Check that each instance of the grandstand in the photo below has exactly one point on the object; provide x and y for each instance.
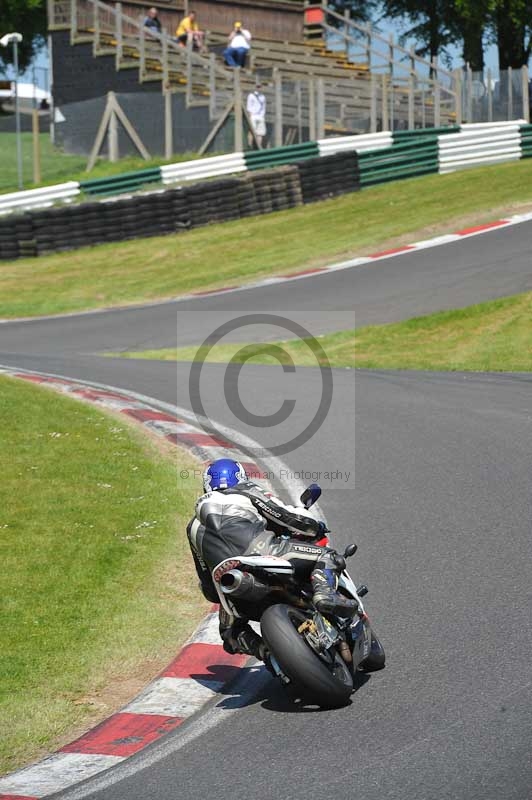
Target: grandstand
(329, 75)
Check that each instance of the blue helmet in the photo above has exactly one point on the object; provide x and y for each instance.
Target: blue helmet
(222, 474)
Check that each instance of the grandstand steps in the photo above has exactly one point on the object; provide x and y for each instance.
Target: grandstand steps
(347, 86)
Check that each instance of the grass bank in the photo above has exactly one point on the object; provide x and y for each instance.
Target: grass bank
(489, 337)
(97, 586)
(355, 224)
(58, 167)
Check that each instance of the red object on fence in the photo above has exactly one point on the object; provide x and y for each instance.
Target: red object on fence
(313, 16)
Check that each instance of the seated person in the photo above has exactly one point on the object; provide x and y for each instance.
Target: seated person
(152, 21)
(188, 30)
(239, 44)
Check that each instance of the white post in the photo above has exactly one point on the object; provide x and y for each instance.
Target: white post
(458, 95)
(168, 127)
(73, 21)
(212, 86)
(278, 101)
(320, 108)
(119, 35)
(311, 111)
(347, 23)
(411, 89)
(437, 92)
(373, 104)
(385, 117)
(189, 95)
(490, 97)
(113, 138)
(17, 115)
(299, 120)
(96, 29)
(142, 48)
(510, 94)
(526, 97)
(469, 94)
(239, 139)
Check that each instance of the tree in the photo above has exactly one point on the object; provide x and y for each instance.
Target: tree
(470, 23)
(431, 23)
(27, 17)
(512, 24)
(359, 11)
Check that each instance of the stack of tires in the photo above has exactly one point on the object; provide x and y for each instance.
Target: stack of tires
(9, 247)
(276, 189)
(213, 201)
(66, 228)
(330, 176)
(169, 211)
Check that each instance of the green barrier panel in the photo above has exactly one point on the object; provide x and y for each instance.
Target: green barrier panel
(400, 135)
(398, 150)
(395, 175)
(277, 156)
(395, 166)
(428, 156)
(399, 160)
(115, 183)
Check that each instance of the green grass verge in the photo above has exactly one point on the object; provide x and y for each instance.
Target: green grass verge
(488, 337)
(97, 586)
(243, 251)
(58, 167)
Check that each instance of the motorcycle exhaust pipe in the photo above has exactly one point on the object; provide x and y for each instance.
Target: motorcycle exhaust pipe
(241, 584)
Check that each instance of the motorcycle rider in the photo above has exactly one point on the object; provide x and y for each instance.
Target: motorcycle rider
(236, 517)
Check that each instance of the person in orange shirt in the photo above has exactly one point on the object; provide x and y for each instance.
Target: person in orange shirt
(188, 29)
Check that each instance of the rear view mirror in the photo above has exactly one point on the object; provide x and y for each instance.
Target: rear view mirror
(350, 550)
(311, 494)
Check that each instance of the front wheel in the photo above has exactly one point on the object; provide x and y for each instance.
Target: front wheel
(329, 685)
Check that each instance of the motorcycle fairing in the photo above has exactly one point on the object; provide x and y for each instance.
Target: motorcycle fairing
(346, 583)
(361, 636)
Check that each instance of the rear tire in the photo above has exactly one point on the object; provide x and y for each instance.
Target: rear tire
(327, 687)
(377, 657)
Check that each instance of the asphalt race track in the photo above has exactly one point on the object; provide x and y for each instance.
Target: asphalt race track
(441, 508)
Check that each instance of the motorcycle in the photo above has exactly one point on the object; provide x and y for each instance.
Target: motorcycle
(318, 655)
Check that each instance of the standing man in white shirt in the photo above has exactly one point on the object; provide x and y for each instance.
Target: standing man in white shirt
(256, 108)
(239, 44)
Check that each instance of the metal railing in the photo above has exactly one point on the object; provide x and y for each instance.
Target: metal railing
(431, 92)
(490, 98)
(159, 56)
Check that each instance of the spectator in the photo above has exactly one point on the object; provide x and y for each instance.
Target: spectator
(188, 30)
(256, 108)
(152, 21)
(239, 44)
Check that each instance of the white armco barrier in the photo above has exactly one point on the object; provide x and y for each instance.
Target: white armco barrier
(38, 198)
(479, 145)
(204, 168)
(479, 126)
(361, 143)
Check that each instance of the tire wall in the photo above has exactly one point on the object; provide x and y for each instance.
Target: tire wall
(52, 230)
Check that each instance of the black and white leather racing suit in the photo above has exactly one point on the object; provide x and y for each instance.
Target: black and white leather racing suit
(247, 520)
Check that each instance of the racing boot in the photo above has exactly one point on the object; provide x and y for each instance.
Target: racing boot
(239, 637)
(324, 581)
